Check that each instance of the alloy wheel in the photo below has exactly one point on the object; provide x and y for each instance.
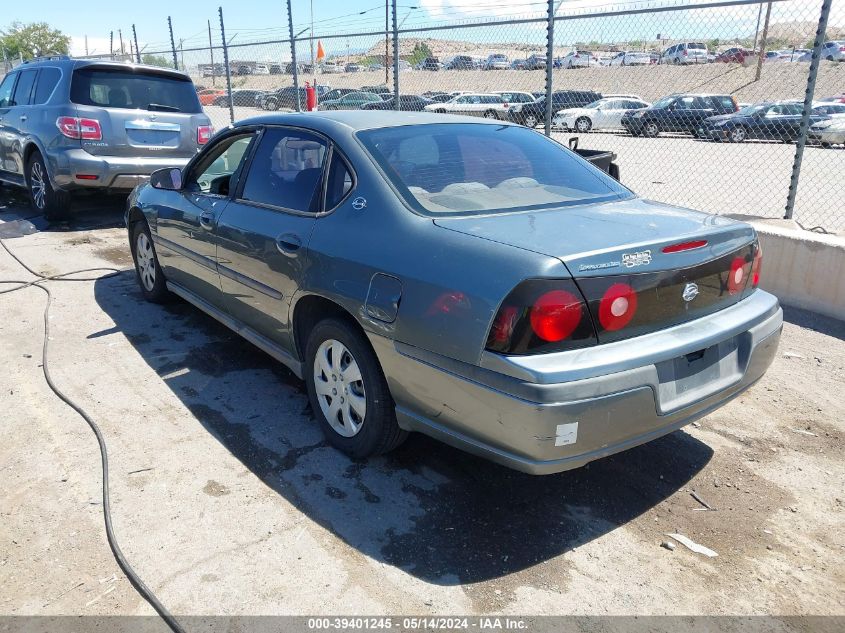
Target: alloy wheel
(340, 388)
(145, 261)
(738, 135)
(38, 185)
(583, 125)
(530, 120)
(651, 129)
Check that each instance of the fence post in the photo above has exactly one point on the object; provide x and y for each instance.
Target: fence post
(111, 45)
(808, 104)
(293, 59)
(396, 105)
(550, 61)
(137, 50)
(763, 42)
(172, 43)
(226, 65)
(211, 52)
(386, 38)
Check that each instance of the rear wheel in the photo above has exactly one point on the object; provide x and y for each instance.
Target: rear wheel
(491, 114)
(530, 120)
(651, 129)
(53, 203)
(583, 124)
(348, 392)
(827, 145)
(737, 135)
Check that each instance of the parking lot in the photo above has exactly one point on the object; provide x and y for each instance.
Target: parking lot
(227, 500)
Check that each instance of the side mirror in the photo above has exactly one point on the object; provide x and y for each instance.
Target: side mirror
(168, 178)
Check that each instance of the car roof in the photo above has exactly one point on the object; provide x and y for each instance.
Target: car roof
(355, 120)
(64, 60)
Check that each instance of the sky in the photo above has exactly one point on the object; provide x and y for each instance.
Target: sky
(251, 20)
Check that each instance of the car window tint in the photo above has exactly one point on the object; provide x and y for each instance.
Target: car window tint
(6, 90)
(48, 79)
(339, 181)
(285, 170)
(485, 168)
(213, 175)
(133, 89)
(24, 88)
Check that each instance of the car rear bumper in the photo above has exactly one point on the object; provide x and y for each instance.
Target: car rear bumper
(112, 173)
(548, 414)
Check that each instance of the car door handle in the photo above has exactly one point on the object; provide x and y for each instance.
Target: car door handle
(288, 243)
(23, 117)
(207, 220)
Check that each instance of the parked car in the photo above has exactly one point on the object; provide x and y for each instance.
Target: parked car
(630, 58)
(287, 97)
(686, 53)
(351, 101)
(335, 93)
(828, 132)
(834, 51)
(734, 55)
(497, 61)
(778, 121)
(215, 70)
(578, 59)
(677, 113)
(208, 95)
(608, 321)
(261, 69)
(441, 98)
(383, 91)
(530, 114)
(69, 125)
(519, 64)
(352, 68)
(826, 108)
(490, 106)
(535, 62)
(604, 114)
(330, 68)
(240, 97)
(430, 63)
(276, 69)
(516, 97)
(834, 99)
(459, 62)
(407, 103)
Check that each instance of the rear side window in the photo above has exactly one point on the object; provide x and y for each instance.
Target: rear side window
(286, 170)
(726, 103)
(339, 181)
(6, 90)
(23, 90)
(133, 90)
(467, 169)
(48, 79)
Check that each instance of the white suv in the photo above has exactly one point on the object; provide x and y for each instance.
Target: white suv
(686, 53)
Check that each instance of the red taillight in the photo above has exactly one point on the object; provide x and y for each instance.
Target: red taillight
(684, 246)
(555, 315)
(77, 128)
(617, 307)
(204, 133)
(685, 53)
(737, 275)
(756, 266)
(503, 325)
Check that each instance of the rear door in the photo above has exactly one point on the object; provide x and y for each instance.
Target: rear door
(264, 232)
(186, 226)
(141, 112)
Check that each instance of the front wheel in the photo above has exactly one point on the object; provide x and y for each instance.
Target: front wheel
(348, 392)
(737, 135)
(147, 270)
(491, 114)
(53, 203)
(530, 120)
(583, 125)
(651, 130)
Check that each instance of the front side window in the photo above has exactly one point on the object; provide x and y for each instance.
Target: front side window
(286, 170)
(214, 174)
(6, 90)
(467, 169)
(23, 90)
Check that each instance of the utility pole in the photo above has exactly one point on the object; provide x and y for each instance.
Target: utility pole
(396, 100)
(313, 59)
(111, 44)
(550, 41)
(293, 58)
(763, 42)
(211, 50)
(182, 52)
(122, 50)
(757, 28)
(225, 63)
(86, 46)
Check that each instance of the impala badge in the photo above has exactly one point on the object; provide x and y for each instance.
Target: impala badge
(690, 292)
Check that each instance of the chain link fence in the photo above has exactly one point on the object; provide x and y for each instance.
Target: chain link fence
(729, 106)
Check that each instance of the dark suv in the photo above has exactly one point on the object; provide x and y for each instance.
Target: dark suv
(286, 98)
(69, 125)
(530, 114)
(677, 113)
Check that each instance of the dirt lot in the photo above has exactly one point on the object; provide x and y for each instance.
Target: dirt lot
(227, 500)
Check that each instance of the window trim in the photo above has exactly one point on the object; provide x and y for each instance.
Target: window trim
(325, 185)
(189, 168)
(56, 87)
(248, 166)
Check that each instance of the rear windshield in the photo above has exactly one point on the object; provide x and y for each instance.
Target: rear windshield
(133, 90)
(468, 169)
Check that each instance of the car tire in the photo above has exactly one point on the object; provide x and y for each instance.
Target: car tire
(53, 203)
(583, 125)
(569, 65)
(651, 130)
(738, 135)
(440, 111)
(147, 269)
(676, 61)
(272, 104)
(829, 58)
(491, 114)
(361, 431)
(826, 145)
(530, 120)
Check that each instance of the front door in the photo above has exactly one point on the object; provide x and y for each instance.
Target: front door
(186, 225)
(17, 121)
(7, 87)
(264, 232)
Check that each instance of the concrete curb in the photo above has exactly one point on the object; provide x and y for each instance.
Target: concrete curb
(803, 269)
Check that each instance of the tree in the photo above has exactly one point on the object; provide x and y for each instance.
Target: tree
(157, 60)
(33, 40)
(421, 51)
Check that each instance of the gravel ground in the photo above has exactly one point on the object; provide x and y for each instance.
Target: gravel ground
(227, 500)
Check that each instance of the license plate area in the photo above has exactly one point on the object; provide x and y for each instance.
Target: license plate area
(697, 375)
